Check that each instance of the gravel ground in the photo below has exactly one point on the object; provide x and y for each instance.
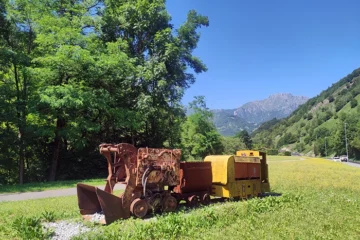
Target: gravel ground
(65, 230)
(98, 217)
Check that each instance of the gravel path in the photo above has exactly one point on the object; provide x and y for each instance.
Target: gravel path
(46, 194)
(64, 230)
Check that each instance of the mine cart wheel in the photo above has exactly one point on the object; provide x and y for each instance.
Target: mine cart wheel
(139, 208)
(205, 199)
(192, 201)
(169, 204)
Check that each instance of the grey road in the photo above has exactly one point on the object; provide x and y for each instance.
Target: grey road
(352, 164)
(46, 194)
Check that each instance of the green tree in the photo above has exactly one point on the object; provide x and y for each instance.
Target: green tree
(309, 116)
(339, 104)
(231, 145)
(162, 56)
(16, 51)
(245, 138)
(199, 136)
(353, 103)
(74, 74)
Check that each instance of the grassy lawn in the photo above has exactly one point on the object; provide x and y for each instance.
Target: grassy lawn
(320, 200)
(34, 187)
(46, 209)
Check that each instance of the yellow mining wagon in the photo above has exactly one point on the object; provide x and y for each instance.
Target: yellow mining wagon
(243, 176)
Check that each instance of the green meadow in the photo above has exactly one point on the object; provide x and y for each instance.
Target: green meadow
(319, 200)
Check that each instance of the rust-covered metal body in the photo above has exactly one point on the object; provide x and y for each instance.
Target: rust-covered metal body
(156, 181)
(146, 173)
(195, 183)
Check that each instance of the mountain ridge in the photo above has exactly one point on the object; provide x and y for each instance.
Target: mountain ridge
(251, 114)
(318, 126)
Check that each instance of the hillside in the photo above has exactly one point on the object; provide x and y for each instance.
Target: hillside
(250, 115)
(318, 126)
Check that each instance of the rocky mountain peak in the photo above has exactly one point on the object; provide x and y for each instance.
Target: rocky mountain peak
(251, 114)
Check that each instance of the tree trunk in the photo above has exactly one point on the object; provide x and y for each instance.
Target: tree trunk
(21, 158)
(60, 123)
(20, 124)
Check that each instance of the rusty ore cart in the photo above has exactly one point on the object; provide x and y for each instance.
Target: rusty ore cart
(156, 181)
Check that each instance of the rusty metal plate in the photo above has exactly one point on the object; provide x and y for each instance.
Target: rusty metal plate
(87, 199)
(195, 177)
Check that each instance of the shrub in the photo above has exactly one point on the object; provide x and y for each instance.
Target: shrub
(353, 103)
(309, 116)
(48, 216)
(272, 152)
(30, 228)
(339, 104)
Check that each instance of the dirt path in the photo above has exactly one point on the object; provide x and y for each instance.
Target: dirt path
(45, 194)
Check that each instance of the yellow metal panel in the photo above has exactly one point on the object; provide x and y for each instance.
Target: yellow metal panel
(222, 168)
(248, 153)
(220, 191)
(238, 189)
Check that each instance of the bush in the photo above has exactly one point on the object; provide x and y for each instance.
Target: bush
(30, 228)
(272, 152)
(48, 216)
(353, 103)
(309, 116)
(300, 147)
(287, 153)
(339, 104)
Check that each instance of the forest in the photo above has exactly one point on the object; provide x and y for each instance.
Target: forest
(75, 74)
(323, 126)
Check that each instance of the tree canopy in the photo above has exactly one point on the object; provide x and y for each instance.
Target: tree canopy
(74, 74)
(199, 136)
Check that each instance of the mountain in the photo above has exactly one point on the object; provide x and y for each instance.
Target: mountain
(229, 124)
(319, 126)
(278, 106)
(250, 115)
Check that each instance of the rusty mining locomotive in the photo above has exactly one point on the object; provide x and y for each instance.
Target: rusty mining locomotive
(156, 181)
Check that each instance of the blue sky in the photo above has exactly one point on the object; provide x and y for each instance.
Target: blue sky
(257, 48)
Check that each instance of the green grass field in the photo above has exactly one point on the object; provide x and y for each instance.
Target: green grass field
(285, 158)
(320, 200)
(34, 187)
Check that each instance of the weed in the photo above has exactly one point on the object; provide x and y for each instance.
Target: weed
(30, 228)
(48, 216)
